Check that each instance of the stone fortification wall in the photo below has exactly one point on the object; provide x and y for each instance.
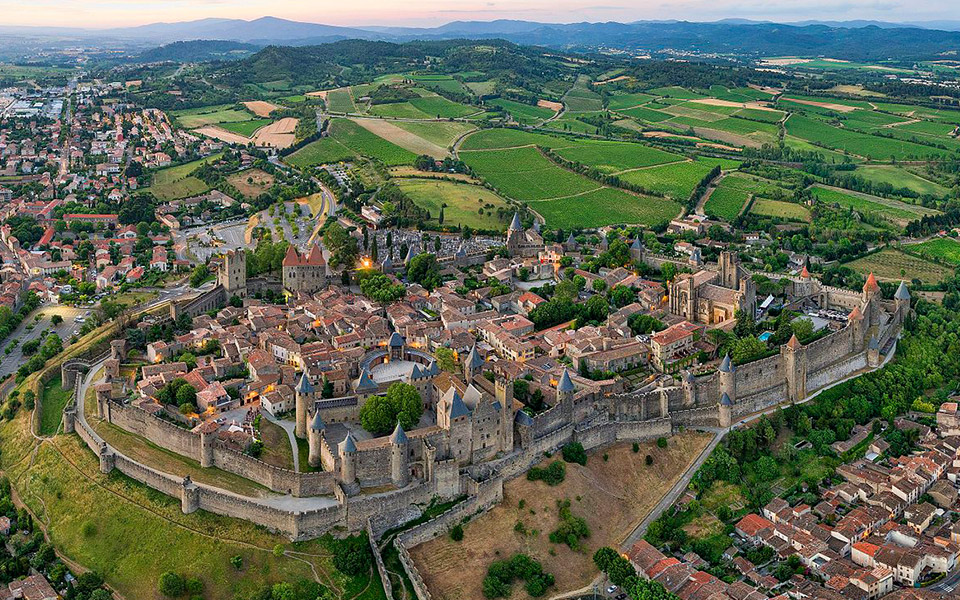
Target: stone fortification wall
(547, 422)
(373, 466)
(279, 480)
(836, 371)
(704, 416)
(188, 444)
(840, 297)
(829, 349)
(161, 482)
(608, 433)
(761, 400)
(155, 430)
(759, 376)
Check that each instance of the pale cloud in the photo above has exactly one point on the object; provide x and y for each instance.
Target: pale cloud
(110, 13)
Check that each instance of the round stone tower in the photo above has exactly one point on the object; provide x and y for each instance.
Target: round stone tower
(315, 439)
(399, 457)
(348, 459)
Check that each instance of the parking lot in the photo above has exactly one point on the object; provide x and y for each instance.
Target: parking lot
(31, 329)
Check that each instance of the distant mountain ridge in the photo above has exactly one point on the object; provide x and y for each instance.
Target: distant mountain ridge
(855, 40)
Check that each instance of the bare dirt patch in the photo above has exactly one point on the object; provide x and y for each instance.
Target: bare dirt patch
(252, 182)
(401, 137)
(223, 135)
(828, 105)
(408, 171)
(718, 146)
(278, 134)
(728, 103)
(614, 80)
(554, 106)
(726, 136)
(667, 134)
(613, 496)
(322, 94)
(784, 62)
(260, 107)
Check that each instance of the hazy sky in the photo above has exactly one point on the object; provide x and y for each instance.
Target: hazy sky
(109, 13)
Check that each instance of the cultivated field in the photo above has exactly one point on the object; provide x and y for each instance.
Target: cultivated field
(440, 133)
(526, 175)
(210, 115)
(676, 180)
(944, 250)
(861, 144)
(894, 265)
(348, 140)
(899, 177)
(580, 98)
(223, 135)
(464, 204)
(725, 202)
(623, 486)
(605, 206)
(428, 106)
(340, 101)
(522, 113)
(790, 211)
(895, 211)
(493, 139)
(731, 194)
(245, 128)
(278, 134)
(261, 108)
(177, 182)
(616, 157)
(402, 137)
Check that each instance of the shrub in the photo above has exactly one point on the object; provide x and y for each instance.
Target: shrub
(194, 586)
(171, 585)
(661, 442)
(278, 550)
(237, 562)
(648, 460)
(636, 447)
(494, 588)
(456, 534)
(502, 573)
(351, 556)
(88, 529)
(574, 453)
(571, 529)
(551, 475)
(29, 399)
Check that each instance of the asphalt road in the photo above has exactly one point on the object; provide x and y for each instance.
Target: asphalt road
(949, 585)
(9, 363)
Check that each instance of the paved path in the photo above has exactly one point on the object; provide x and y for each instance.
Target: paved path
(9, 363)
(290, 427)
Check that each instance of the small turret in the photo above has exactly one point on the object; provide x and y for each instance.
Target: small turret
(473, 365)
(303, 396)
(348, 459)
(725, 411)
(565, 392)
(728, 378)
(315, 440)
(399, 457)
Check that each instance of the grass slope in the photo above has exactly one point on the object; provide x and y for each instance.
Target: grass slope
(463, 202)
